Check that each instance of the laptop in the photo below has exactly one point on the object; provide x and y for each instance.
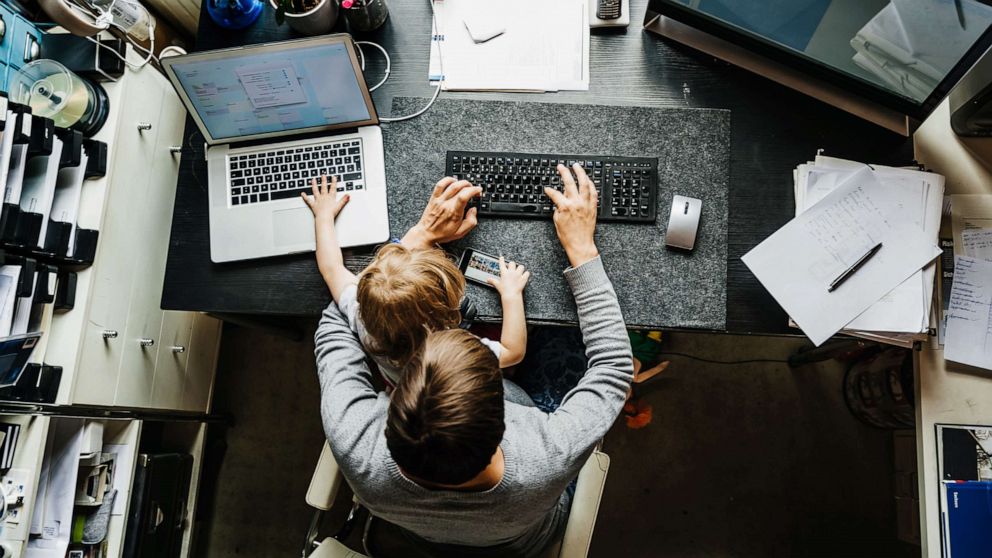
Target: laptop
(274, 117)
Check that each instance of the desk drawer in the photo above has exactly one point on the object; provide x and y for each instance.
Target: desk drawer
(173, 356)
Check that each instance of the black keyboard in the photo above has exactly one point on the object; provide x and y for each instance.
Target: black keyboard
(513, 183)
(281, 174)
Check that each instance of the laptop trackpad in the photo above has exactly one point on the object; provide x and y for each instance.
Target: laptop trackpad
(292, 226)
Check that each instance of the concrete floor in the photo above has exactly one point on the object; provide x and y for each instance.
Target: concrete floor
(749, 460)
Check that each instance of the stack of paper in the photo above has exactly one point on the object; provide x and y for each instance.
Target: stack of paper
(911, 45)
(843, 209)
(543, 46)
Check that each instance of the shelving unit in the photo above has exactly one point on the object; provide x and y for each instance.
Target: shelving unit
(143, 375)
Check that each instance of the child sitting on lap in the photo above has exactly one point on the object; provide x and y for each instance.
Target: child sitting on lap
(405, 294)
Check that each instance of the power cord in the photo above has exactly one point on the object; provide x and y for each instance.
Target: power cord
(384, 53)
(712, 361)
(437, 89)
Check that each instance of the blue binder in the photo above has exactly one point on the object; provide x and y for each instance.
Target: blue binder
(969, 519)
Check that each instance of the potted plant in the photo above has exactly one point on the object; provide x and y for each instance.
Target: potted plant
(308, 17)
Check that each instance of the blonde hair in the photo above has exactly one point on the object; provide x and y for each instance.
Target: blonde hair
(403, 295)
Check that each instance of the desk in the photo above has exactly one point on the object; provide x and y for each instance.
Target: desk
(773, 129)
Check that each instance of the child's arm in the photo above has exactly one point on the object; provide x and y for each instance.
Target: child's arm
(513, 279)
(325, 206)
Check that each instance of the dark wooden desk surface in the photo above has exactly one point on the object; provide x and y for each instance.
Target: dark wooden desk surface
(773, 130)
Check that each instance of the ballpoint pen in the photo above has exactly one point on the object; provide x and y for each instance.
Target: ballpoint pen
(856, 266)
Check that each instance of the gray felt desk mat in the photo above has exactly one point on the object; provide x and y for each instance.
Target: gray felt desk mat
(657, 287)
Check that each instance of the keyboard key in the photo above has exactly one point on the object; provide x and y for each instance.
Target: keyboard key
(352, 176)
(286, 194)
(235, 200)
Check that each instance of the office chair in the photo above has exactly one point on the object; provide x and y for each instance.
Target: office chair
(327, 481)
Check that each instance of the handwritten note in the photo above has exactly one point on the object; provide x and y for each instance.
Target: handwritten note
(969, 315)
(977, 243)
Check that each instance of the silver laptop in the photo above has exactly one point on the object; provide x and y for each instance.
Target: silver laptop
(274, 117)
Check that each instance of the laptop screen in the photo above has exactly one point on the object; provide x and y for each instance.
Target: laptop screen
(272, 90)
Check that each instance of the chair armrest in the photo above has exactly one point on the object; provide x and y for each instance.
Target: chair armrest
(585, 506)
(331, 548)
(325, 482)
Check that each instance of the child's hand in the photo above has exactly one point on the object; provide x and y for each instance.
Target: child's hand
(324, 201)
(513, 278)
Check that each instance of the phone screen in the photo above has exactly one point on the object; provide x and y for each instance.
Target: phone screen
(479, 267)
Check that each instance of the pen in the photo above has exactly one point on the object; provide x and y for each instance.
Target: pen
(857, 265)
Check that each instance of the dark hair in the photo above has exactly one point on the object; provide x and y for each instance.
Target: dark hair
(446, 414)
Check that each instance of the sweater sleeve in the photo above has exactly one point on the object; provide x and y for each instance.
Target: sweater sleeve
(591, 407)
(347, 399)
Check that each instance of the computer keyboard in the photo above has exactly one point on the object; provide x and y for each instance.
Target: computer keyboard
(283, 173)
(513, 183)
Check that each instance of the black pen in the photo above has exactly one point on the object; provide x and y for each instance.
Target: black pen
(857, 265)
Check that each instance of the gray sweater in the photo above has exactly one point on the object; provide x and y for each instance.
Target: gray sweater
(543, 452)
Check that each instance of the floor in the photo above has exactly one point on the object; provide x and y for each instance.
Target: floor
(746, 460)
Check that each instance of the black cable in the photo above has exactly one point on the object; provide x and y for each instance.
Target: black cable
(711, 361)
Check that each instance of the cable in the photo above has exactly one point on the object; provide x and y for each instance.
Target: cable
(384, 53)
(437, 90)
(105, 17)
(180, 51)
(711, 361)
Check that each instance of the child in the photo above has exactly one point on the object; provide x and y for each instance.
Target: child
(405, 294)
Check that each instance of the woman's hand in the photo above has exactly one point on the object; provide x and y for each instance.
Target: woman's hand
(324, 201)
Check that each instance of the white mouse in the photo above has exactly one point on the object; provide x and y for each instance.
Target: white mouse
(683, 222)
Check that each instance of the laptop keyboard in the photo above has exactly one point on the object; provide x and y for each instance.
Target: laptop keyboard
(283, 173)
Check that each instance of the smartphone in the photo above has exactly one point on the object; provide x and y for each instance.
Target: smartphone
(478, 267)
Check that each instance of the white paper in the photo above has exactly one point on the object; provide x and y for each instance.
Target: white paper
(53, 512)
(799, 261)
(122, 482)
(977, 243)
(15, 174)
(546, 51)
(68, 191)
(6, 148)
(9, 275)
(22, 310)
(39, 186)
(969, 315)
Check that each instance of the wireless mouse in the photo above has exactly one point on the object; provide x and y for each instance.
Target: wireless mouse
(683, 222)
